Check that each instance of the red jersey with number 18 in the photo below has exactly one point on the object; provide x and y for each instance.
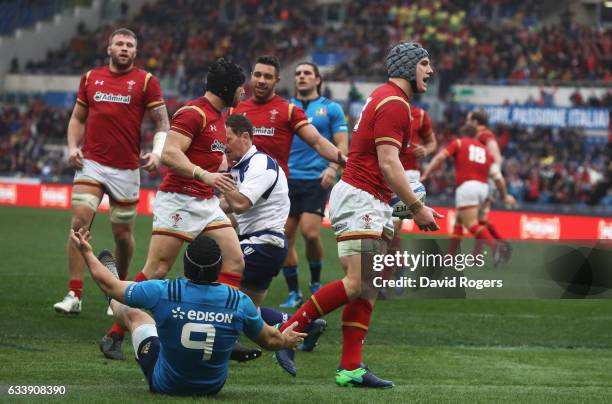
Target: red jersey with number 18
(201, 122)
(116, 103)
(385, 120)
(472, 160)
(274, 124)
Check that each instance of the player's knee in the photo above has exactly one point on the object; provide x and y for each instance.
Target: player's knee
(157, 270)
(352, 287)
(311, 235)
(122, 214)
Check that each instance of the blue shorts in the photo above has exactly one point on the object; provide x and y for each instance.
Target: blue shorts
(262, 262)
(148, 352)
(307, 196)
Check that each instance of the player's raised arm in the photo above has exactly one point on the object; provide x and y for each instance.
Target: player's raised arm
(76, 132)
(159, 116)
(435, 164)
(272, 339)
(325, 148)
(110, 285)
(493, 148)
(428, 140)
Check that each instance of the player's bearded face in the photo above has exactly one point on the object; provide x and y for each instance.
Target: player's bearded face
(122, 51)
(263, 81)
(424, 72)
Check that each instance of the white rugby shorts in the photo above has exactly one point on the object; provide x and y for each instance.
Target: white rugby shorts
(183, 216)
(357, 214)
(122, 185)
(471, 193)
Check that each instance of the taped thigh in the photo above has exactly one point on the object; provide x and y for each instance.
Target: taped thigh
(123, 214)
(359, 246)
(83, 199)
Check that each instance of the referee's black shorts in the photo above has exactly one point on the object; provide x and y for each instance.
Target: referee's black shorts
(307, 196)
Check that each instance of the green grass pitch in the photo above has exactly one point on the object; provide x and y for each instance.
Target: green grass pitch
(434, 350)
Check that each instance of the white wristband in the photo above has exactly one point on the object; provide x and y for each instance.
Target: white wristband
(158, 143)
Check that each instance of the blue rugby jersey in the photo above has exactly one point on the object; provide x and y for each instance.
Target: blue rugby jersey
(197, 327)
(327, 116)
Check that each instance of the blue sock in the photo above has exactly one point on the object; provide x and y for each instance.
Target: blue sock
(291, 276)
(273, 317)
(315, 271)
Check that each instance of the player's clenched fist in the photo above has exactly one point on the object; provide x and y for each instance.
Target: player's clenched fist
(75, 158)
(151, 161)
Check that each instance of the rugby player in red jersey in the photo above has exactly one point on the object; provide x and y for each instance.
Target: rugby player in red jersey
(360, 212)
(185, 204)
(479, 119)
(474, 164)
(422, 144)
(104, 148)
(275, 120)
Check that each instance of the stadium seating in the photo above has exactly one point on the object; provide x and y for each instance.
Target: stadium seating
(467, 43)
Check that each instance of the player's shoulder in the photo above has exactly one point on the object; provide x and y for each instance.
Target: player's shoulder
(388, 93)
(198, 106)
(150, 285)
(96, 72)
(329, 104)
(277, 99)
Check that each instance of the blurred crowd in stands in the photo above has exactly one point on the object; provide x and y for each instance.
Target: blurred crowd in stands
(496, 40)
(179, 38)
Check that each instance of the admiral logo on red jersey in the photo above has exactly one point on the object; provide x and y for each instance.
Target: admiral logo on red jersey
(217, 146)
(106, 97)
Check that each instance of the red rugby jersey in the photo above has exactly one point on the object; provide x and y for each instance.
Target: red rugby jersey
(385, 119)
(472, 160)
(116, 104)
(201, 122)
(274, 124)
(421, 129)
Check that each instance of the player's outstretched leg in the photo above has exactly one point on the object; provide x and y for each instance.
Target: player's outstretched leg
(110, 345)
